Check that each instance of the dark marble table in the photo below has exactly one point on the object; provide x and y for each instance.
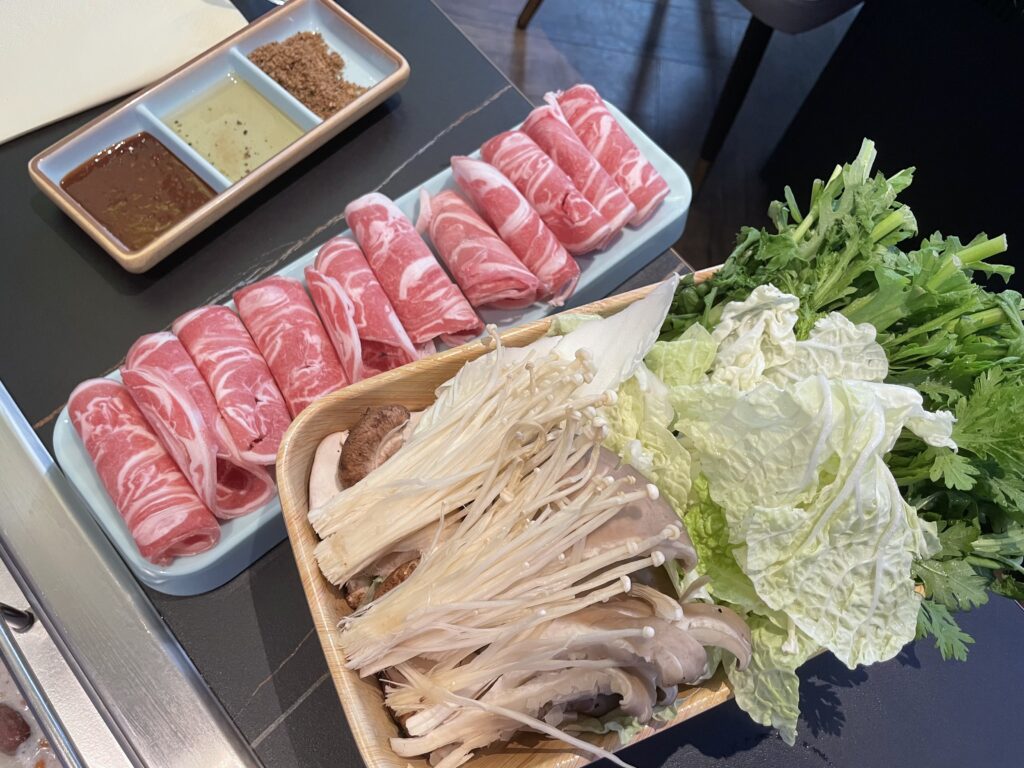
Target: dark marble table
(67, 312)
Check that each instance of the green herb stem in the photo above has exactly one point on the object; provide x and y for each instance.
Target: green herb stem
(906, 479)
(972, 254)
(928, 327)
(983, 250)
(891, 223)
(800, 231)
(979, 321)
(794, 208)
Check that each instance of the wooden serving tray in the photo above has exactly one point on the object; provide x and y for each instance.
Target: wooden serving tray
(413, 386)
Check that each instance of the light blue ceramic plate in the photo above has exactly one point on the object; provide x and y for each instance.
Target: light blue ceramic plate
(246, 539)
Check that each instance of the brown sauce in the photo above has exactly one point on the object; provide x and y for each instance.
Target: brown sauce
(136, 189)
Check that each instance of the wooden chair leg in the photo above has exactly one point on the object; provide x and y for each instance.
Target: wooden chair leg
(741, 75)
(527, 13)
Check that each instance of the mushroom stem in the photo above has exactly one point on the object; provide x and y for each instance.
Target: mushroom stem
(717, 625)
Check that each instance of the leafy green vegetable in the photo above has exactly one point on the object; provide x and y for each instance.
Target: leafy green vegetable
(810, 318)
(821, 259)
(955, 539)
(841, 256)
(935, 620)
(768, 689)
(795, 461)
(952, 583)
(684, 360)
(953, 469)
(617, 721)
(705, 522)
(1007, 544)
(796, 519)
(754, 336)
(1007, 586)
(566, 322)
(945, 330)
(638, 432)
(977, 491)
(988, 430)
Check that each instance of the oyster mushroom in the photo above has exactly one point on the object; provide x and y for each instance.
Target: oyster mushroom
(717, 625)
(639, 519)
(670, 653)
(505, 709)
(663, 606)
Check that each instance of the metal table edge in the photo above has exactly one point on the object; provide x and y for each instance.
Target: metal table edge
(142, 682)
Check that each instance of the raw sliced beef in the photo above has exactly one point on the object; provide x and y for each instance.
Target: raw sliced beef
(548, 127)
(164, 515)
(169, 390)
(338, 314)
(504, 208)
(601, 133)
(383, 342)
(427, 302)
(577, 224)
(239, 378)
(286, 328)
(483, 266)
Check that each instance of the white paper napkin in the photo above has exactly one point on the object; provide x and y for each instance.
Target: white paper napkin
(59, 57)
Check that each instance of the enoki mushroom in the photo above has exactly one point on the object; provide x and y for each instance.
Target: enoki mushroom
(516, 615)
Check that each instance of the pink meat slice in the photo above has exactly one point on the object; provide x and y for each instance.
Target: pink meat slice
(577, 224)
(286, 328)
(238, 377)
(426, 348)
(164, 515)
(171, 393)
(484, 267)
(382, 339)
(522, 229)
(548, 127)
(601, 133)
(428, 303)
(338, 314)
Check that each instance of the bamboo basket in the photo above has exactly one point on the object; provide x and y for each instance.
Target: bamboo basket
(413, 386)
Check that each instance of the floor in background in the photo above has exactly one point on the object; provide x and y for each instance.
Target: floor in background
(664, 62)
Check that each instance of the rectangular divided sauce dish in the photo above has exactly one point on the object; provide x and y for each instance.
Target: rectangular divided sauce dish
(244, 540)
(413, 386)
(162, 121)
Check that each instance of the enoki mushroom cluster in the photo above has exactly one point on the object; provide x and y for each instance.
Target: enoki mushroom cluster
(534, 605)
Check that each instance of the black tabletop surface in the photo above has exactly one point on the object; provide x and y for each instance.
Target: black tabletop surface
(68, 312)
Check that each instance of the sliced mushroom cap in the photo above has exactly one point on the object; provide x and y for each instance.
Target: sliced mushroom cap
(324, 478)
(397, 576)
(374, 439)
(387, 573)
(396, 566)
(357, 589)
